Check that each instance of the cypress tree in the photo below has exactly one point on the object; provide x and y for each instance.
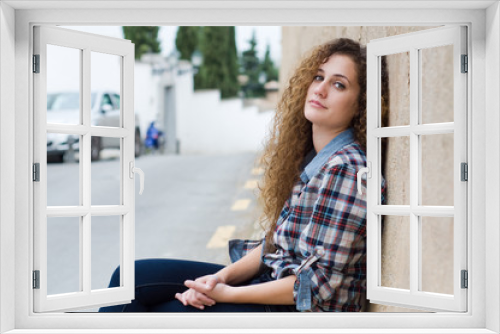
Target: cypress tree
(219, 68)
(187, 41)
(144, 38)
(231, 85)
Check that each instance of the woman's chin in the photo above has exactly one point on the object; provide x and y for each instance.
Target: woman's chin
(312, 116)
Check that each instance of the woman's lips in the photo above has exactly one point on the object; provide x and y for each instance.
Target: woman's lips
(316, 104)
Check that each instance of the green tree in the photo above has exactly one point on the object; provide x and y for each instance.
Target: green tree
(250, 67)
(267, 67)
(144, 38)
(219, 67)
(231, 85)
(187, 41)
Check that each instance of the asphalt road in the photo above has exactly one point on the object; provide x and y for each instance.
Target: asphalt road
(190, 207)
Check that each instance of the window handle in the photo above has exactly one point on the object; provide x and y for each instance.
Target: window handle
(365, 170)
(139, 171)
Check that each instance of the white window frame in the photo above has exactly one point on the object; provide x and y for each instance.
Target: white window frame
(125, 212)
(413, 43)
(483, 20)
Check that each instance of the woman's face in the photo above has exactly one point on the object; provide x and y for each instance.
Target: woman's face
(332, 97)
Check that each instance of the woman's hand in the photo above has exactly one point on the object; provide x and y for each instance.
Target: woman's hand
(198, 299)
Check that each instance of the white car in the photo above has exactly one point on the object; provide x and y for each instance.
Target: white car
(63, 107)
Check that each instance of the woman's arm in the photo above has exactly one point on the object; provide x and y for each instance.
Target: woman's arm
(243, 270)
(278, 292)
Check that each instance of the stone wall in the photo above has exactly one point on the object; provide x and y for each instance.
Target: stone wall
(437, 153)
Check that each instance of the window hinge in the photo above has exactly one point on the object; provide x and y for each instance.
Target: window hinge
(36, 279)
(36, 63)
(36, 172)
(465, 279)
(465, 64)
(464, 171)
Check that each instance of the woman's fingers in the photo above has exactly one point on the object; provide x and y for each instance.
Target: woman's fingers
(180, 297)
(203, 299)
(195, 299)
(198, 286)
(209, 280)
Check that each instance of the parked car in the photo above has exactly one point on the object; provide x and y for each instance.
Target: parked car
(63, 107)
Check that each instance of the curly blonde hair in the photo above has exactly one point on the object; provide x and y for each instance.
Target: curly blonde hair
(291, 133)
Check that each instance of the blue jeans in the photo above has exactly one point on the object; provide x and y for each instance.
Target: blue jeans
(158, 280)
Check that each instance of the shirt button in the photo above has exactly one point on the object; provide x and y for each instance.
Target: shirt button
(320, 251)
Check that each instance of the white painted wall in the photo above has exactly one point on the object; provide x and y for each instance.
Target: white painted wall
(207, 125)
(146, 95)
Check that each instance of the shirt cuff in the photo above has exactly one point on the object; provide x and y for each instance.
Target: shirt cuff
(302, 290)
(239, 248)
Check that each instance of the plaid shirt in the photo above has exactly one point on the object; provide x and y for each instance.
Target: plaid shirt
(321, 233)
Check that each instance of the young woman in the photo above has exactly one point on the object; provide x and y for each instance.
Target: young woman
(314, 255)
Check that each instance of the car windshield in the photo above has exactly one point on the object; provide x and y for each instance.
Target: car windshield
(66, 101)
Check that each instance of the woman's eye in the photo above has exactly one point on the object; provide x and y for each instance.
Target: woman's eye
(339, 85)
(318, 78)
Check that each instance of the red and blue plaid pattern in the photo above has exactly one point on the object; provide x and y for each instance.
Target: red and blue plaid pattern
(326, 212)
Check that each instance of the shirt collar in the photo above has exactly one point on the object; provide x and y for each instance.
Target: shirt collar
(315, 162)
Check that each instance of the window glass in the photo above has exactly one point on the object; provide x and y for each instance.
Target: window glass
(395, 271)
(106, 171)
(396, 157)
(437, 85)
(106, 100)
(116, 99)
(105, 249)
(398, 70)
(63, 169)
(105, 70)
(437, 254)
(63, 84)
(63, 255)
(437, 169)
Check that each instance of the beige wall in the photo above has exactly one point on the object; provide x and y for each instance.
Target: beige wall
(437, 153)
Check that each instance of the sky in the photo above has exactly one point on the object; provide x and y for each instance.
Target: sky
(264, 35)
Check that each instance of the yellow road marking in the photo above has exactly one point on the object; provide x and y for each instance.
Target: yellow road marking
(240, 205)
(257, 171)
(221, 237)
(251, 184)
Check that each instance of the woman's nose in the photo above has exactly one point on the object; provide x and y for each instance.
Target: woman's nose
(321, 89)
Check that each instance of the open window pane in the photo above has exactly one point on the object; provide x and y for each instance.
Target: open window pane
(63, 255)
(437, 169)
(105, 249)
(437, 84)
(106, 172)
(437, 254)
(399, 95)
(434, 188)
(105, 88)
(395, 271)
(63, 85)
(60, 247)
(397, 170)
(63, 170)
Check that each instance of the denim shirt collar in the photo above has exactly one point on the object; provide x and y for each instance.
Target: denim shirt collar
(315, 162)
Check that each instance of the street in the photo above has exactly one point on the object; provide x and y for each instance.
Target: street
(190, 207)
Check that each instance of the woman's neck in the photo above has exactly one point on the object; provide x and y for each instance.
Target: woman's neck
(321, 137)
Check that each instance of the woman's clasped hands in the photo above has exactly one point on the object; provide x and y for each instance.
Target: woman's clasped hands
(204, 291)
